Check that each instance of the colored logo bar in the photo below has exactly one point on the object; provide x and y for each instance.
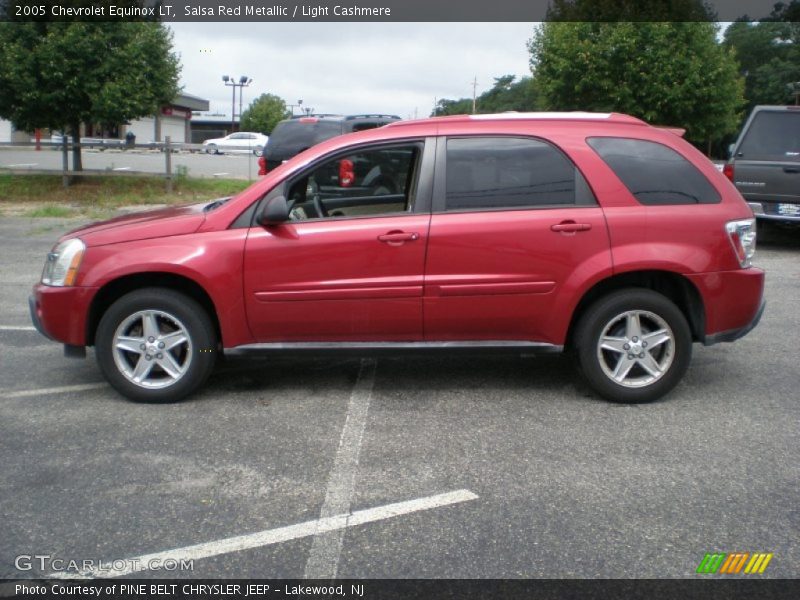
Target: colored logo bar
(734, 562)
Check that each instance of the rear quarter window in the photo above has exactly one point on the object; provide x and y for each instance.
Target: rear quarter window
(772, 135)
(654, 173)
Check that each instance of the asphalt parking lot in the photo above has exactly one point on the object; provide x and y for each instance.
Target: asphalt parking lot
(447, 467)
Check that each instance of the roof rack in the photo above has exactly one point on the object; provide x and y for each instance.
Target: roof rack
(315, 115)
(371, 116)
(530, 116)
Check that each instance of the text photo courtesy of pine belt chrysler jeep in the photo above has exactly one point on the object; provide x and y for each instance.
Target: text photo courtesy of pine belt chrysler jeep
(521, 232)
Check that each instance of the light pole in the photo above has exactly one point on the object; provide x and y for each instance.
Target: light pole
(244, 81)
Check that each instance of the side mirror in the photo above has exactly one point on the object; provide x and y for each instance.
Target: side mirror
(730, 150)
(275, 212)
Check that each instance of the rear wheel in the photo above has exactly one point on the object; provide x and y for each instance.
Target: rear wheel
(155, 345)
(633, 345)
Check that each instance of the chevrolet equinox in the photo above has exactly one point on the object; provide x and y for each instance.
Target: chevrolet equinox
(524, 232)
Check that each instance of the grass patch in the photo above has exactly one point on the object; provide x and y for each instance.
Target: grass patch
(51, 210)
(100, 196)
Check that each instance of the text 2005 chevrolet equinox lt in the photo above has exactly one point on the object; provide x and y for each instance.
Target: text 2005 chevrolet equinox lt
(530, 232)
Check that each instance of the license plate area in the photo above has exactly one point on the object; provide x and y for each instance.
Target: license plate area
(788, 210)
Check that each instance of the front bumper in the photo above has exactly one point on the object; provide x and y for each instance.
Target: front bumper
(37, 322)
(60, 313)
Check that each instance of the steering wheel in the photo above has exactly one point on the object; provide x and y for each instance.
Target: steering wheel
(313, 191)
(383, 186)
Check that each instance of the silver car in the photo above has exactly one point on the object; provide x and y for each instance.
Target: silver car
(239, 142)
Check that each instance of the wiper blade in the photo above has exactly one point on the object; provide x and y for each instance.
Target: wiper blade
(216, 204)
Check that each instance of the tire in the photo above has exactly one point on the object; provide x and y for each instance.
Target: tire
(258, 151)
(212, 149)
(624, 370)
(169, 374)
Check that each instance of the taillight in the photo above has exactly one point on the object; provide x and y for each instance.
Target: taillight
(727, 170)
(743, 239)
(262, 165)
(346, 174)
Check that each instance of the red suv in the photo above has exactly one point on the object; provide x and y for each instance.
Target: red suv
(513, 232)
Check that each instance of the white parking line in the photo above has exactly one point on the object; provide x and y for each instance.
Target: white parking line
(122, 169)
(323, 560)
(271, 536)
(218, 174)
(22, 165)
(17, 328)
(55, 390)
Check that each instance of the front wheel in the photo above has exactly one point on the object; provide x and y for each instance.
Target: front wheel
(633, 345)
(258, 151)
(212, 149)
(155, 345)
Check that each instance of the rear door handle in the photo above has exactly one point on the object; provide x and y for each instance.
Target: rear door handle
(395, 238)
(791, 170)
(571, 227)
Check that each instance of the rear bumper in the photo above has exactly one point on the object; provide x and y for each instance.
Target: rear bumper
(59, 313)
(733, 302)
(769, 211)
(734, 334)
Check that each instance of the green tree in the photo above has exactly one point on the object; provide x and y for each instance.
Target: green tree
(263, 114)
(445, 106)
(665, 73)
(506, 94)
(768, 53)
(629, 10)
(61, 74)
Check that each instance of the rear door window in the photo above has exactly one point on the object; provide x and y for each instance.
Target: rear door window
(772, 135)
(653, 173)
(507, 172)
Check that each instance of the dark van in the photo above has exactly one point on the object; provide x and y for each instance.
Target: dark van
(765, 163)
(292, 136)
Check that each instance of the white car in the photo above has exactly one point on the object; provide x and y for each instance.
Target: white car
(242, 141)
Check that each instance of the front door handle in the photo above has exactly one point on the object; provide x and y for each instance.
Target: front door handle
(570, 227)
(396, 238)
(791, 170)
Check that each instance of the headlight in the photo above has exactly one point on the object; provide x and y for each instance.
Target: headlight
(62, 264)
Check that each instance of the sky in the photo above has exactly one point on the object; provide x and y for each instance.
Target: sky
(350, 68)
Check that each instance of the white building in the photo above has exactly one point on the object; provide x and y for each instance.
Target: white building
(5, 131)
(174, 120)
